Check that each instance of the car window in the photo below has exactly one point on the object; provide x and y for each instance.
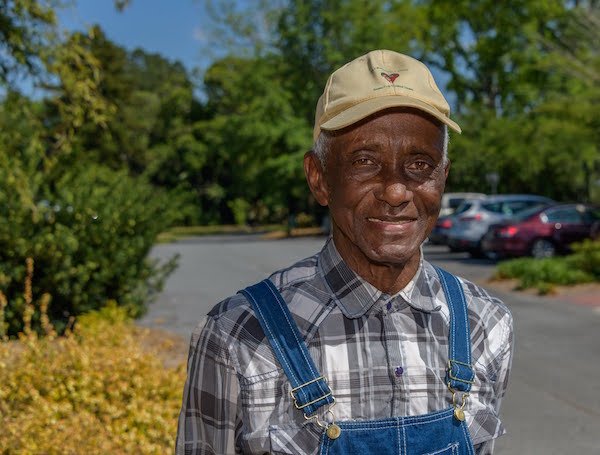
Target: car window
(513, 207)
(463, 208)
(455, 202)
(524, 214)
(495, 207)
(564, 215)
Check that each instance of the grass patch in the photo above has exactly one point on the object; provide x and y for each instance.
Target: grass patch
(271, 231)
(583, 266)
(180, 232)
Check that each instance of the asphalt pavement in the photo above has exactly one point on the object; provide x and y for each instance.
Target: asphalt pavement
(552, 405)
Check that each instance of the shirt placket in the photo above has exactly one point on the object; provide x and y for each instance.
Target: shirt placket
(396, 358)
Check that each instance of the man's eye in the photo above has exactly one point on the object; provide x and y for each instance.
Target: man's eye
(420, 166)
(363, 162)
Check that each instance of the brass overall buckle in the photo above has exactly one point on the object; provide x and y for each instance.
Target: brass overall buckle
(333, 431)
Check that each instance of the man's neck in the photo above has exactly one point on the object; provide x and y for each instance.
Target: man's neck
(390, 278)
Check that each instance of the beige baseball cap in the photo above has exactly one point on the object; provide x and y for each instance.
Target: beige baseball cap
(379, 80)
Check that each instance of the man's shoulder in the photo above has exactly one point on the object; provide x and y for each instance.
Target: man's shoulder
(299, 274)
(478, 298)
(232, 330)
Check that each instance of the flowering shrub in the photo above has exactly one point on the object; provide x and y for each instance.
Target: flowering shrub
(97, 389)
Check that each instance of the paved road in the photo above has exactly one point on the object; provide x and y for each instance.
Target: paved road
(553, 403)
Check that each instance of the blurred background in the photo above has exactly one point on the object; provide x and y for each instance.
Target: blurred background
(127, 123)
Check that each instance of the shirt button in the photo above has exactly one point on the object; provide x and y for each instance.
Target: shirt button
(399, 371)
(389, 306)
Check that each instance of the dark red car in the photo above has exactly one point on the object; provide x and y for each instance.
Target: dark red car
(543, 231)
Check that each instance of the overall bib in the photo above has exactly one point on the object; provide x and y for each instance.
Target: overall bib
(437, 433)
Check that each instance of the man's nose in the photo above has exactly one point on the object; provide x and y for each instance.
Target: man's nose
(393, 190)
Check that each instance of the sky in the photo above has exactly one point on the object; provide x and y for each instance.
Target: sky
(171, 28)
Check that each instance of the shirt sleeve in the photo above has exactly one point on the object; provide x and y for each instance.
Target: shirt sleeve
(505, 363)
(209, 413)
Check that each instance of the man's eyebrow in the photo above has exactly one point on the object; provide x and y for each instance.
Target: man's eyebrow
(415, 150)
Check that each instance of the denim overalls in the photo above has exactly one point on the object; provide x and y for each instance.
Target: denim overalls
(441, 433)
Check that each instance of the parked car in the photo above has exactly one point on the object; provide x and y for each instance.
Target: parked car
(450, 202)
(542, 232)
(439, 233)
(472, 222)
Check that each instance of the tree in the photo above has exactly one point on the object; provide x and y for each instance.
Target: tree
(254, 140)
(87, 227)
(517, 71)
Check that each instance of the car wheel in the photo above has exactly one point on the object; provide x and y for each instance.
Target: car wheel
(543, 248)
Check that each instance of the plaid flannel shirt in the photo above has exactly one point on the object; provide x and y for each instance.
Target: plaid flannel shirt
(383, 356)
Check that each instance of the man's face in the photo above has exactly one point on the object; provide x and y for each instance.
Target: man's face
(383, 183)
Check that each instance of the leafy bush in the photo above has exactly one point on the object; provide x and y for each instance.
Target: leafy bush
(89, 231)
(582, 266)
(95, 390)
(240, 208)
(587, 257)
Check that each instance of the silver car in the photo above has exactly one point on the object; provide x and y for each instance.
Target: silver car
(452, 200)
(472, 219)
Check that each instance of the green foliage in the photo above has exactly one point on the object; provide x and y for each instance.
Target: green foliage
(586, 257)
(525, 79)
(99, 388)
(89, 236)
(75, 191)
(582, 266)
(240, 208)
(254, 141)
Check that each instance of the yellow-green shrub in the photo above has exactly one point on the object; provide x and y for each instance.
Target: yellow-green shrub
(95, 390)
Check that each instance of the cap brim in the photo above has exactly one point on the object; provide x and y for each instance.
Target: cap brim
(362, 110)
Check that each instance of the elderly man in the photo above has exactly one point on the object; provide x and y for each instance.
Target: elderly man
(364, 347)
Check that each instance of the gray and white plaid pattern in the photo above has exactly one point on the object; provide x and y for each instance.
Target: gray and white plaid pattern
(383, 355)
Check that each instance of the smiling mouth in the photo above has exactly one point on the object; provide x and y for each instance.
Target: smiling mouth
(388, 221)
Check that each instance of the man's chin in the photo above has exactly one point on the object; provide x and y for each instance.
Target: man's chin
(394, 255)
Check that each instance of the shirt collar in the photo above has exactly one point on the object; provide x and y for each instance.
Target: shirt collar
(355, 296)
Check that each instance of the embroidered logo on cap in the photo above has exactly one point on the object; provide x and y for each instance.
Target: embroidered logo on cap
(390, 77)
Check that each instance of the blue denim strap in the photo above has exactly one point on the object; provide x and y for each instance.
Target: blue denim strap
(460, 374)
(310, 390)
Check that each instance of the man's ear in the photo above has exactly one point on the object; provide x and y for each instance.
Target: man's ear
(315, 176)
(447, 169)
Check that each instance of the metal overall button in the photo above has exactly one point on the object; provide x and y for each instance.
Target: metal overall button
(459, 414)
